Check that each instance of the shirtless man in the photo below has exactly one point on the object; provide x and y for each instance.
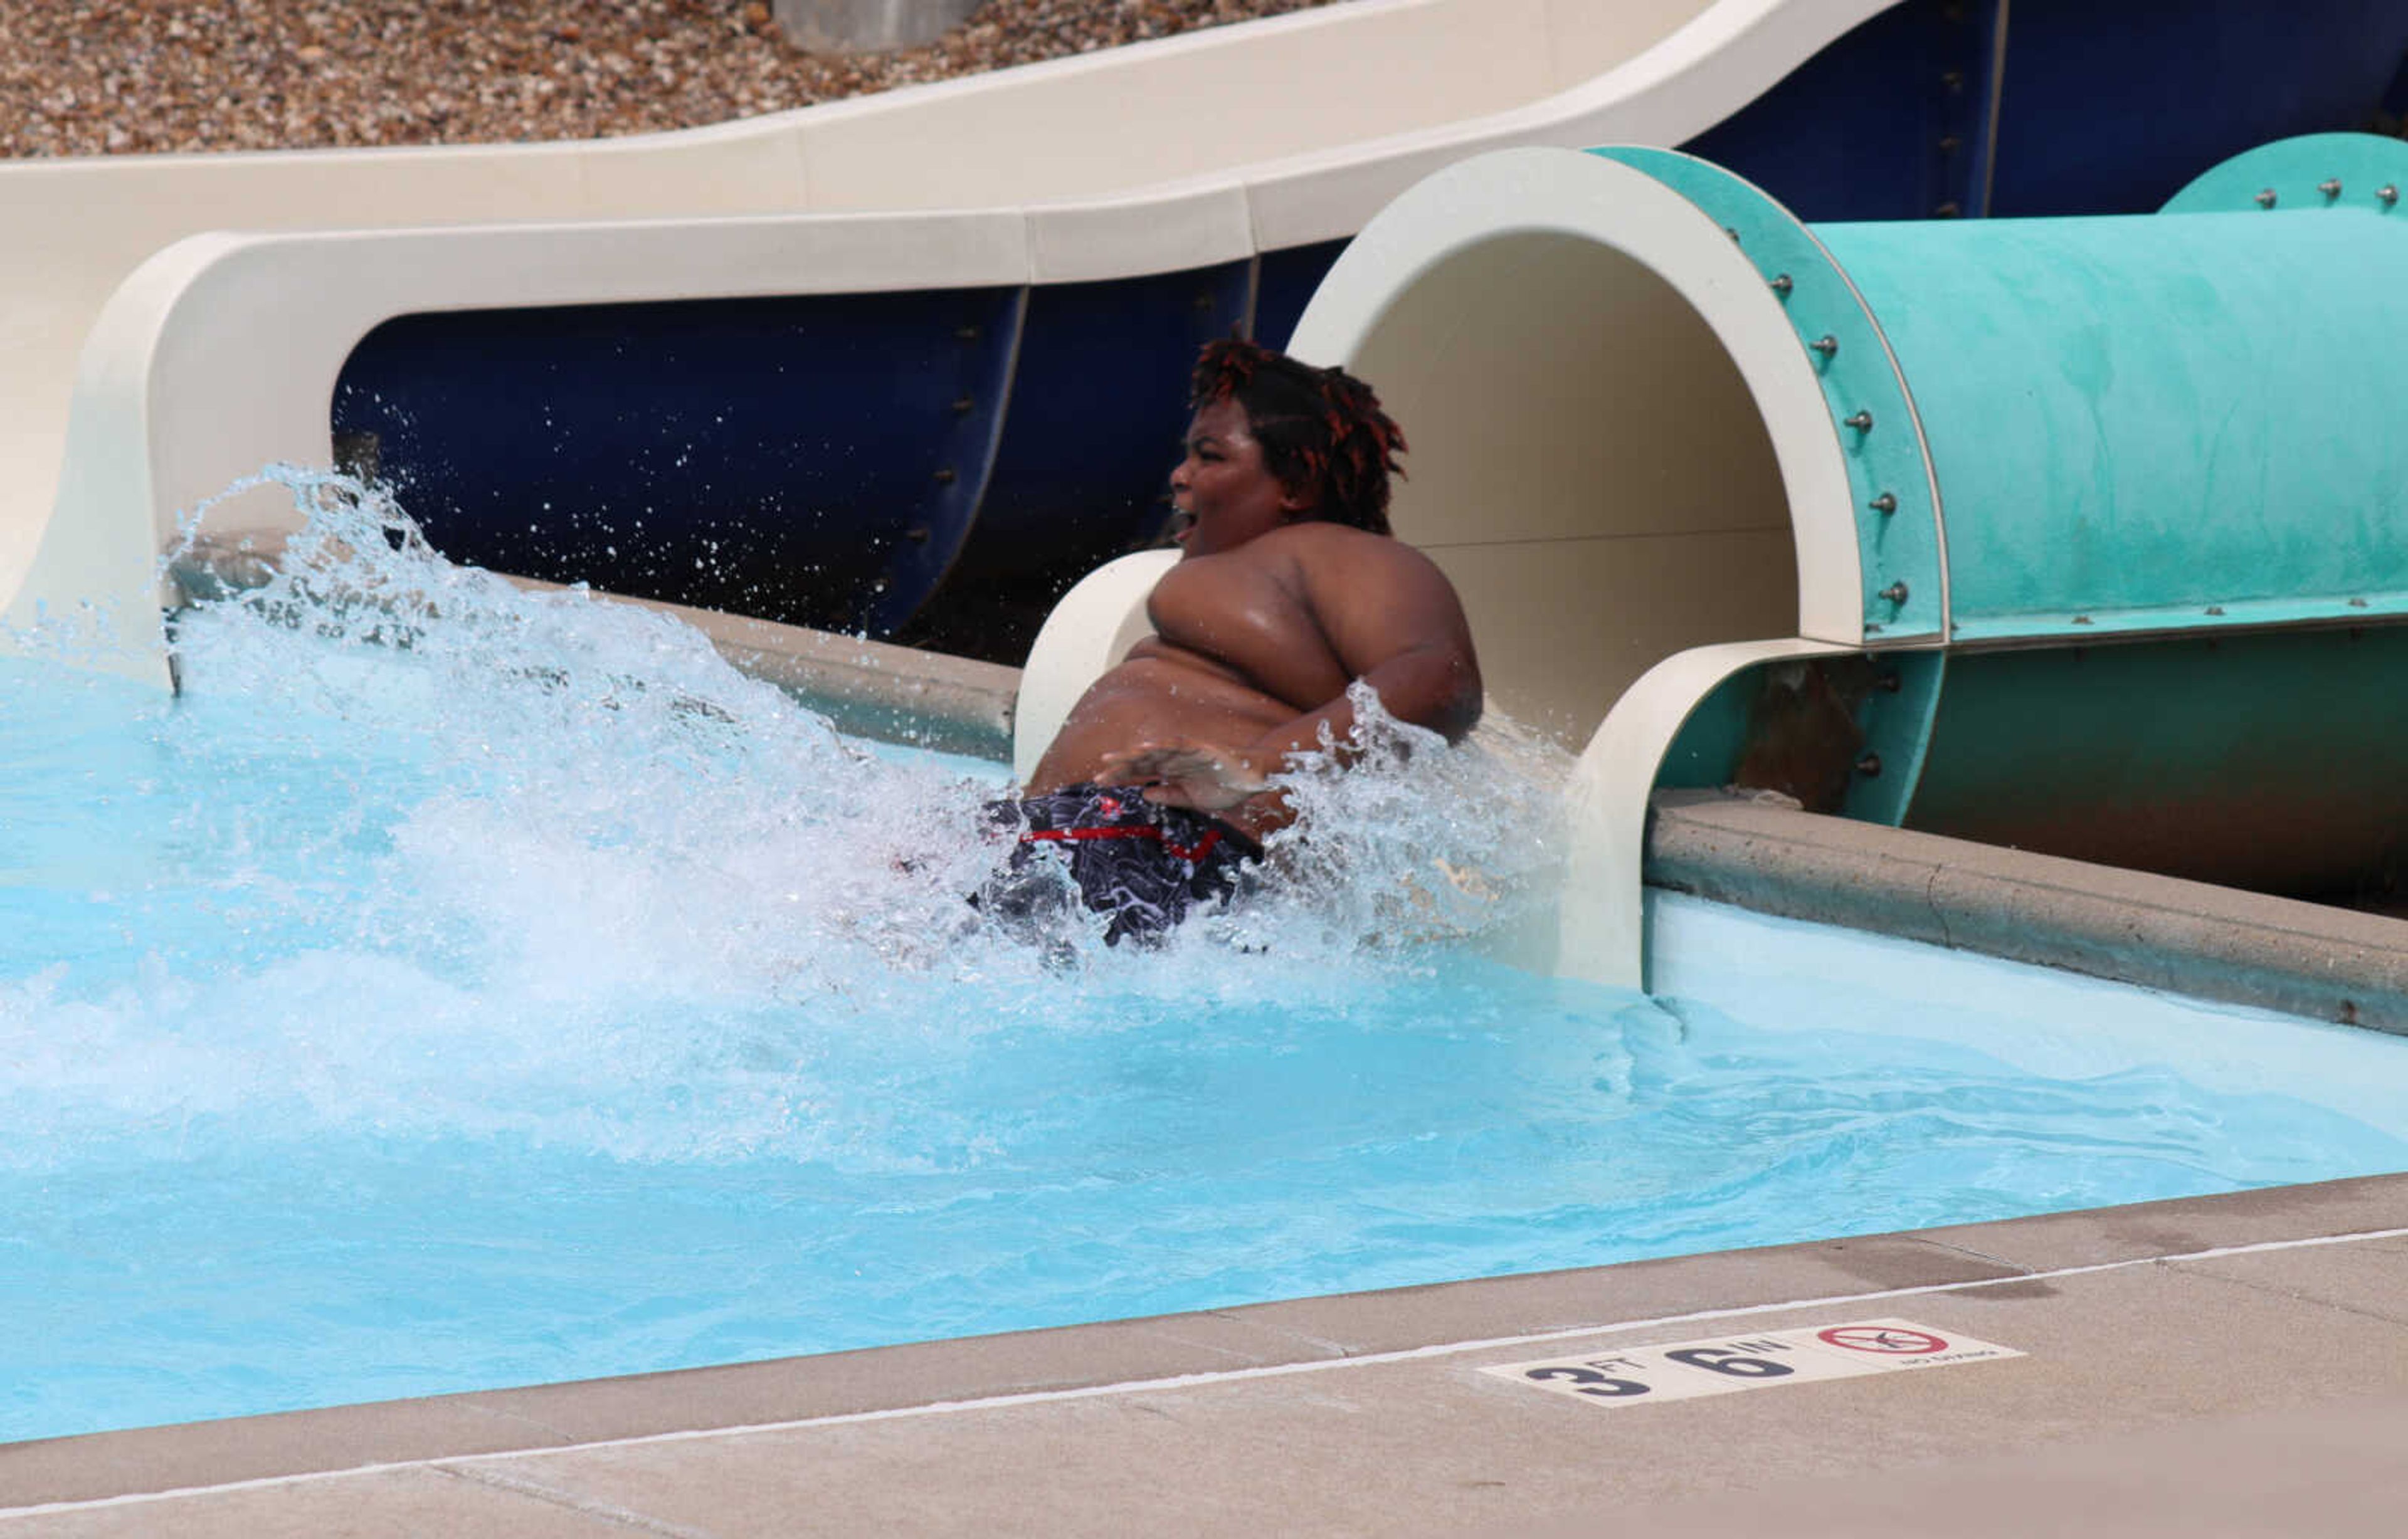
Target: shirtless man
(1158, 786)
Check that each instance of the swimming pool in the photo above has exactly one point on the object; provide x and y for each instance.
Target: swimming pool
(459, 988)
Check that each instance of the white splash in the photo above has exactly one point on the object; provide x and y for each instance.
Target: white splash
(440, 856)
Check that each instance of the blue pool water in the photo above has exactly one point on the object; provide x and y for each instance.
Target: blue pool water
(456, 988)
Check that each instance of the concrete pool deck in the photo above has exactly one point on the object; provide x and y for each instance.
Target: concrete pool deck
(2229, 1364)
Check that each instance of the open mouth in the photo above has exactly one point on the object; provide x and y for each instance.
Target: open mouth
(1182, 520)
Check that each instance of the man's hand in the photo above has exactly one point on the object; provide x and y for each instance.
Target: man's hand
(1202, 776)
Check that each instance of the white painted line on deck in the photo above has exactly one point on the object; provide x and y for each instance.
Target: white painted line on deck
(1189, 1381)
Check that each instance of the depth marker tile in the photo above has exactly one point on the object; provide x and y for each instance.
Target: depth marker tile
(1719, 1365)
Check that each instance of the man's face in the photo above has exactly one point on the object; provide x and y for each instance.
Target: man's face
(1222, 494)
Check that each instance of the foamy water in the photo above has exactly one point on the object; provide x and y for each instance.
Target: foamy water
(417, 851)
(458, 987)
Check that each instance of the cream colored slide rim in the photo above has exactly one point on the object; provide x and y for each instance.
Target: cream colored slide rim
(1559, 193)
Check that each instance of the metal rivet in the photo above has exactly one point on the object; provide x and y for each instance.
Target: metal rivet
(1950, 144)
(1204, 301)
(966, 333)
(917, 534)
(877, 585)
(2266, 198)
(945, 476)
(1862, 421)
(1953, 79)
(2387, 193)
(1947, 210)
(2082, 620)
(1895, 592)
(962, 404)
(1781, 284)
(1869, 765)
(1886, 503)
(1733, 233)
(1889, 683)
(2329, 186)
(2215, 609)
(2357, 604)
(1826, 345)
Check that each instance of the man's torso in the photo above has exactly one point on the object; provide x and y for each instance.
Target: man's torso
(1236, 651)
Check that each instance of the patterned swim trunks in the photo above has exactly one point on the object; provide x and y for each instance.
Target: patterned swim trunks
(1144, 865)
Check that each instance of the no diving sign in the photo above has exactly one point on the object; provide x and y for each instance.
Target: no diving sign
(1684, 1369)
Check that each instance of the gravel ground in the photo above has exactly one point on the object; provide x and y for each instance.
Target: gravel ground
(138, 76)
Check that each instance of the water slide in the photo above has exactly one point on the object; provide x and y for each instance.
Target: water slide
(907, 366)
(2083, 535)
(174, 323)
(893, 367)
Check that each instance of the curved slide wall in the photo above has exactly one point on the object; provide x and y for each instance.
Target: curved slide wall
(1014, 404)
(1106, 166)
(952, 513)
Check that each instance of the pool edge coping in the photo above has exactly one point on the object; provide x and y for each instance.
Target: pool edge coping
(2163, 933)
(1290, 1336)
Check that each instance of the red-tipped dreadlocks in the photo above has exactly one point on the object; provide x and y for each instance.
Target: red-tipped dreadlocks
(1322, 430)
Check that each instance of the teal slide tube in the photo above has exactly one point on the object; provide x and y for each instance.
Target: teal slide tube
(2155, 422)
(2179, 432)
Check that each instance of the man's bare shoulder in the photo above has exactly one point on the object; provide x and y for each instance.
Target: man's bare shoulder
(1334, 562)
(1317, 544)
(1321, 533)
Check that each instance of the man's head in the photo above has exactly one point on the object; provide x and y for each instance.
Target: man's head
(1322, 435)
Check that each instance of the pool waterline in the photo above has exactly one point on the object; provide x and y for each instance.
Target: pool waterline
(1695, 932)
(545, 1023)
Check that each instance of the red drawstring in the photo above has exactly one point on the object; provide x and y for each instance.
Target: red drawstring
(1195, 851)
